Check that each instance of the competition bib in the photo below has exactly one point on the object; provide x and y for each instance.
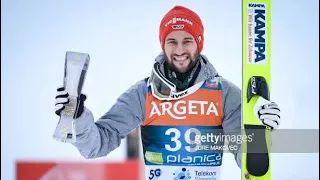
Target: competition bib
(181, 137)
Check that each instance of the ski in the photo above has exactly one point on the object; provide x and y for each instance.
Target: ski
(256, 159)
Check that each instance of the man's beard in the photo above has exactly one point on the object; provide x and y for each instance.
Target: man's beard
(192, 62)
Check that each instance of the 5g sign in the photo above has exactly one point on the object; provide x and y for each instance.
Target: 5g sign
(154, 174)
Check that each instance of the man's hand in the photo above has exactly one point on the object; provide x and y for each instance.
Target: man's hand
(62, 99)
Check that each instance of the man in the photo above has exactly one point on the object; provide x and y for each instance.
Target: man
(183, 98)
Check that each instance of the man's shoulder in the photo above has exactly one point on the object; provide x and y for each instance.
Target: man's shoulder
(145, 79)
(228, 84)
(139, 87)
(140, 84)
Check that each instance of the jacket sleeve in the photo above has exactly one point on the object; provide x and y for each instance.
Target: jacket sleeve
(97, 139)
(232, 115)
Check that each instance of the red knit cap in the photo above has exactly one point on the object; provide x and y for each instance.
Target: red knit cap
(182, 18)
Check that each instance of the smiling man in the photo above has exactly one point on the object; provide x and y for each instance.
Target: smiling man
(178, 48)
(183, 98)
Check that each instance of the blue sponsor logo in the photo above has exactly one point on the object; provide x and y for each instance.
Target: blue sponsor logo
(182, 174)
(260, 31)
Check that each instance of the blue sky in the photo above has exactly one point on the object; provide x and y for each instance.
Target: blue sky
(122, 40)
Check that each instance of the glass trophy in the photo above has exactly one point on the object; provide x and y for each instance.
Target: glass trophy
(75, 70)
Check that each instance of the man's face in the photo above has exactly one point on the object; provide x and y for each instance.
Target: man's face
(181, 51)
